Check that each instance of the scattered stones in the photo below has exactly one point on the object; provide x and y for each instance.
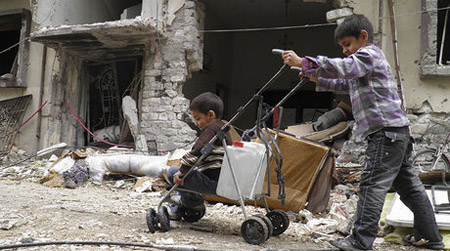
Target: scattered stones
(7, 224)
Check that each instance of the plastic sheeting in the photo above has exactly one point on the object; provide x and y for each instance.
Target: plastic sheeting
(140, 165)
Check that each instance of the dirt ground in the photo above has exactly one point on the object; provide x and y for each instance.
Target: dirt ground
(31, 212)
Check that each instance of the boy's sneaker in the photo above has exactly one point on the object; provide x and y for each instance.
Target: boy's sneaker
(346, 245)
(422, 243)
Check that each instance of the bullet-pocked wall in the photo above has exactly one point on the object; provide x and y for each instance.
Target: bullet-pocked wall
(237, 63)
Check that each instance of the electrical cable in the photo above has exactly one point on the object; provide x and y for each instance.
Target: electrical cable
(269, 28)
(309, 25)
(14, 45)
(95, 243)
(131, 244)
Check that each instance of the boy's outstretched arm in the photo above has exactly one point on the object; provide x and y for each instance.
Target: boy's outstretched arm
(340, 86)
(354, 66)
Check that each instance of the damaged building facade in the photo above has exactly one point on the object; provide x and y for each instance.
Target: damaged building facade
(81, 58)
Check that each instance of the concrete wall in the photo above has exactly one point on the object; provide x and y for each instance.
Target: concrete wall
(26, 138)
(436, 90)
(65, 12)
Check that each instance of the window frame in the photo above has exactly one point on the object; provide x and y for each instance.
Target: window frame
(23, 51)
(428, 65)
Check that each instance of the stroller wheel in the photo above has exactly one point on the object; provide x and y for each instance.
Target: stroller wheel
(152, 220)
(254, 230)
(164, 219)
(191, 215)
(280, 221)
(268, 223)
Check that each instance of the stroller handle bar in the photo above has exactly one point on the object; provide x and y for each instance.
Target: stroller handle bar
(296, 68)
(280, 52)
(277, 51)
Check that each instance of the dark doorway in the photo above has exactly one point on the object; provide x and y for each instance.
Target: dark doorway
(108, 84)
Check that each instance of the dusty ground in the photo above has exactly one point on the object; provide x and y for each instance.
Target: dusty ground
(113, 211)
(104, 213)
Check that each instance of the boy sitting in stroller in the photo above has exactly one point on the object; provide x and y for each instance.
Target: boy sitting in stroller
(206, 109)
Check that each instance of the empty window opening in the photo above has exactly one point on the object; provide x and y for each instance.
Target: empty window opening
(443, 36)
(108, 84)
(14, 28)
(8, 60)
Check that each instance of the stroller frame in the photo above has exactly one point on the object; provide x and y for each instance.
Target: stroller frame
(255, 229)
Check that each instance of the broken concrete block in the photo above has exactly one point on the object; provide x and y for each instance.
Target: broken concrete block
(143, 184)
(7, 224)
(129, 110)
(305, 216)
(172, 8)
(334, 15)
(131, 12)
(152, 9)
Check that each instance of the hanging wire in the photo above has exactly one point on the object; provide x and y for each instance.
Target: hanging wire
(293, 27)
(269, 28)
(14, 45)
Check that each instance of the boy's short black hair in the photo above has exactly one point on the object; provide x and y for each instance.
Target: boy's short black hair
(207, 101)
(352, 26)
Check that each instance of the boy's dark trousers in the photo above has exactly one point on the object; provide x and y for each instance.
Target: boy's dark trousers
(195, 181)
(389, 164)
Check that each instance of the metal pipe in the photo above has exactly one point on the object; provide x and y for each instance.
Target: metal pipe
(41, 94)
(396, 58)
(236, 183)
(444, 31)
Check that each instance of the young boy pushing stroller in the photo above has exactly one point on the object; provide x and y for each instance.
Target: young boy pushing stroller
(366, 75)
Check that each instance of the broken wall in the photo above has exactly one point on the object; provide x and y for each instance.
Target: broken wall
(165, 73)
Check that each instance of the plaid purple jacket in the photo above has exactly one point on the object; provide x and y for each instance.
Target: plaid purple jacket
(367, 76)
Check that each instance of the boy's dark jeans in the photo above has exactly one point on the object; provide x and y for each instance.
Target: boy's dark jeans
(388, 164)
(196, 181)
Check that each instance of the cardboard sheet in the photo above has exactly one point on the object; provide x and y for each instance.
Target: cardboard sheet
(302, 161)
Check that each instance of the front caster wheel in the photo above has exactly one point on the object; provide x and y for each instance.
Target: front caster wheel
(254, 230)
(280, 221)
(152, 220)
(164, 221)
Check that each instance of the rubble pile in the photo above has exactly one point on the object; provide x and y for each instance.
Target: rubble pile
(133, 193)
